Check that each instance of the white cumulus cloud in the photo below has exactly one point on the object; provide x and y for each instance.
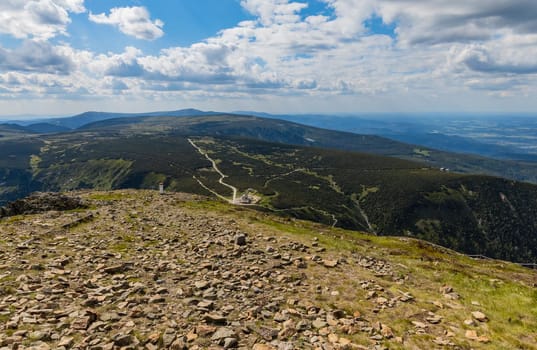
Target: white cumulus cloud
(134, 21)
(37, 19)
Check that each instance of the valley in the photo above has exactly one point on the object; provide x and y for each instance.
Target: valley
(228, 156)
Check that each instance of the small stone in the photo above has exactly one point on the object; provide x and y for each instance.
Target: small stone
(230, 343)
(223, 333)
(81, 323)
(406, 297)
(66, 342)
(201, 284)
(441, 341)
(263, 347)
(206, 304)
(279, 317)
(344, 342)
(333, 338)
(153, 337)
(204, 330)
(438, 304)
(471, 334)
(114, 269)
(302, 325)
(38, 346)
(381, 300)
(168, 338)
(419, 324)
(191, 336)
(215, 318)
(123, 340)
(240, 239)
(267, 333)
(330, 263)
(478, 315)
(446, 289)
(435, 319)
(483, 339)
(386, 332)
(157, 299)
(318, 323)
(371, 294)
(38, 335)
(178, 344)
(469, 322)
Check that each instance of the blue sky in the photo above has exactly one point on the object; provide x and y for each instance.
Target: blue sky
(185, 23)
(61, 57)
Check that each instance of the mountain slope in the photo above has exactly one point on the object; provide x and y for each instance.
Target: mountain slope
(13, 131)
(382, 195)
(522, 169)
(46, 128)
(143, 271)
(273, 130)
(470, 134)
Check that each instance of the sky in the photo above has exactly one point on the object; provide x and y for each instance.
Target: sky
(62, 57)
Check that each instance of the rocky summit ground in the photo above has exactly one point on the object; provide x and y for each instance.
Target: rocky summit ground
(139, 270)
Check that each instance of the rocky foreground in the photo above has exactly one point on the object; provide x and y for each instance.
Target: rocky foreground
(137, 270)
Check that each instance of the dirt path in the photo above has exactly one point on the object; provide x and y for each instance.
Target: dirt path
(222, 176)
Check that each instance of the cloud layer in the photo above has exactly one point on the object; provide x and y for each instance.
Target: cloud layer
(475, 53)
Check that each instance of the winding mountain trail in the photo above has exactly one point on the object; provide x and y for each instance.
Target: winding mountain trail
(222, 176)
(356, 202)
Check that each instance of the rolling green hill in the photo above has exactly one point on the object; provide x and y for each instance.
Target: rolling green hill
(382, 195)
(10, 131)
(273, 130)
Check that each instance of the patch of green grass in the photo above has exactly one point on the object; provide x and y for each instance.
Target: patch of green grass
(81, 210)
(422, 152)
(34, 163)
(4, 317)
(12, 219)
(109, 196)
(124, 244)
(367, 190)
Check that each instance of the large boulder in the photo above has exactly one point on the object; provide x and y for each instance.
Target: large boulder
(40, 202)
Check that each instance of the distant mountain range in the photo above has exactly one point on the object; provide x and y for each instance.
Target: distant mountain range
(451, 134)
(82, 119)
(497, 136)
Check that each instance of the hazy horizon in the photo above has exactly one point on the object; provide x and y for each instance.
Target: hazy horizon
(380, 115)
